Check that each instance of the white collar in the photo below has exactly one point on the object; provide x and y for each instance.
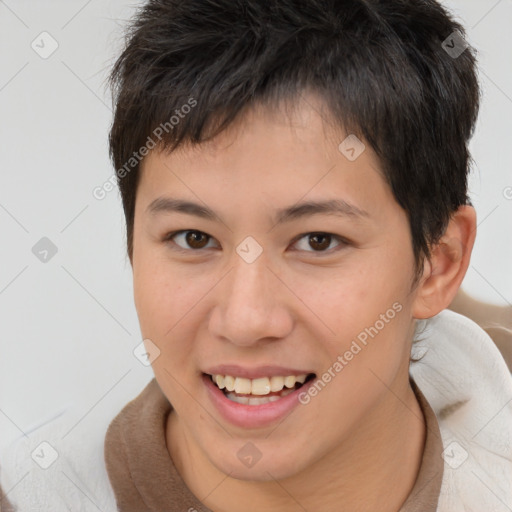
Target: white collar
(468, 385)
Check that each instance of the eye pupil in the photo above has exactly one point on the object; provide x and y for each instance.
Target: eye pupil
(316, 236)
(192, 239)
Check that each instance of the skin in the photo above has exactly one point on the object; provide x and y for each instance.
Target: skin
(299, 304)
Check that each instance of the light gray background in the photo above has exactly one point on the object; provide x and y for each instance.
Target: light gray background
(69, 326)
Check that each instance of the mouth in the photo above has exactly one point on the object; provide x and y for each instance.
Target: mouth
(258, 402)
(260, 391)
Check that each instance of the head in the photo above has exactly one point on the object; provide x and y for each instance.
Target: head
(250, 109)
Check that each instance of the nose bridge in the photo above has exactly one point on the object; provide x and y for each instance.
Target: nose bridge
(249, 308)
(249, 287)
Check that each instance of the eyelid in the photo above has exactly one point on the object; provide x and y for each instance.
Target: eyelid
(342, 241)
(168, 238)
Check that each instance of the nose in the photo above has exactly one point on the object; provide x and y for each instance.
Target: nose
(251, 305)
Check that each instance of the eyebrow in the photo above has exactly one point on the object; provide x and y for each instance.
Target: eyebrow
(338, 207)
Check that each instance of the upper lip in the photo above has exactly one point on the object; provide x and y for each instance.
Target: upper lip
(255, 372)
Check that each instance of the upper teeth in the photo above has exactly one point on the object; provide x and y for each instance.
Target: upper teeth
(261, 386)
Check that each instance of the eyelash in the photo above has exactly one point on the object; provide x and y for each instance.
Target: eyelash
(342, 241)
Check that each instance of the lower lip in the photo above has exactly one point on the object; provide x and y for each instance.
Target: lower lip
(253, 416)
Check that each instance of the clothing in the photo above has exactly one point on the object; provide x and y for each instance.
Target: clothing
(462, 378)
(144, 478)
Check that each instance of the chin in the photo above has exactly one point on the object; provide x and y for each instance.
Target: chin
(268, 468)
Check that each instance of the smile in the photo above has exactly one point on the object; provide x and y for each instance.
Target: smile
(259, 402)
(258, 391)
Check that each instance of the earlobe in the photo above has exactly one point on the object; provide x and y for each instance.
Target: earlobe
(449, 261)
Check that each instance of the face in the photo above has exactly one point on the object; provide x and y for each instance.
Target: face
(253, 280)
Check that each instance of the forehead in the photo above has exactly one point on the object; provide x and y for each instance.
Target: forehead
(274, 157)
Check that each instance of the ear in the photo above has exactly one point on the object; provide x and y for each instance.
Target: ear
(449, 261)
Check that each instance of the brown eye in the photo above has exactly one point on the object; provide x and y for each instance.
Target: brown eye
(196, 239)
(319, 242)
(189, 239)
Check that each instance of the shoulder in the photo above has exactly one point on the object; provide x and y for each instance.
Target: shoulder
(467, 383)
(58, 465)
(463, 359)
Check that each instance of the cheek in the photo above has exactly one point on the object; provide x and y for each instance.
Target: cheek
(159, 291)
(168, 302)
(366, 310)
(161, 303)
(354, 298)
